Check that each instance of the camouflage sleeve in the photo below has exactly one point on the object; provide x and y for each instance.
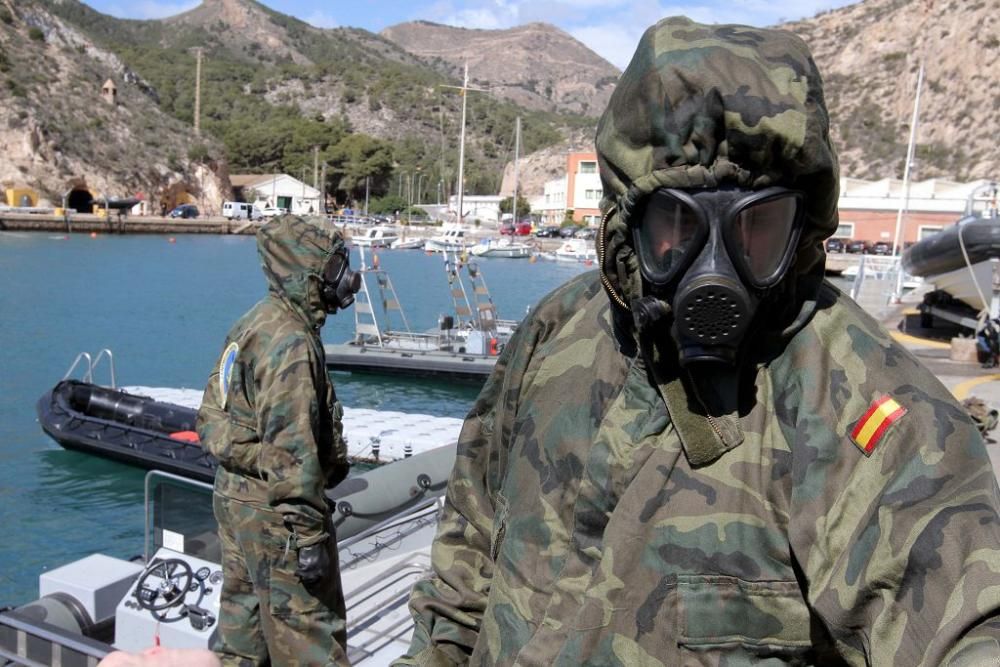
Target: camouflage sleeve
(448, 606)
(288, 416)
(900, 548)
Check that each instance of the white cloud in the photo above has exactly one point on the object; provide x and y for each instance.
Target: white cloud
(321, 19)
(151, 9)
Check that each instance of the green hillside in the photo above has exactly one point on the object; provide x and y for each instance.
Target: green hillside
(254, 92)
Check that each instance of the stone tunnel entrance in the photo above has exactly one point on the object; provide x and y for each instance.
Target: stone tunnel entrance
(81, 200)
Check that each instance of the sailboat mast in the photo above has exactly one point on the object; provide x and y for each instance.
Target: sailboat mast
(461, 144)
(904, 205)
(517, 152)
(909, 160)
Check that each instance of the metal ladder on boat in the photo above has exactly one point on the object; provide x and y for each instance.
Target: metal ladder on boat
(366, 317)
(486, 310)
(91, 364)
(459, 295)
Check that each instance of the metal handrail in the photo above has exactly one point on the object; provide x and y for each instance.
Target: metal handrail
(111, 363)
(408, 513)
(92, 364)
(88, 376)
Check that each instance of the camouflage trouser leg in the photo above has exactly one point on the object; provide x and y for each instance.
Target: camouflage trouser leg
(267, 615)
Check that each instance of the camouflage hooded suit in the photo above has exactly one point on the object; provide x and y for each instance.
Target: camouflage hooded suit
(270, 417)
(608, 507)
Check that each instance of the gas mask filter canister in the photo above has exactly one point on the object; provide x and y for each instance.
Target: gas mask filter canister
(709, 257)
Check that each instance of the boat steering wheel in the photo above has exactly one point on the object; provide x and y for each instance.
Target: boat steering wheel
(176, 577)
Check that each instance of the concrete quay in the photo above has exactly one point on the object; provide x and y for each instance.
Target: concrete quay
(947, 360)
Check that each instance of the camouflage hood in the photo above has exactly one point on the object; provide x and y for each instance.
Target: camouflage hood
(293, 252)
(702, 106)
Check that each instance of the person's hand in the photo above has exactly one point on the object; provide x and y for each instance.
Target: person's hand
(314, 563)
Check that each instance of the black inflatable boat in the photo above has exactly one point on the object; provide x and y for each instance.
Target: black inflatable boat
(943, 252)
(125, 427)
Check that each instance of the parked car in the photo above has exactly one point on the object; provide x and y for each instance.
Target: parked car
(549, 232)
(568, 231)
(588, 233)
(882, 248)
(185, 211)
(507, 228)
(272, 211)
(835, 245)
(856, 246)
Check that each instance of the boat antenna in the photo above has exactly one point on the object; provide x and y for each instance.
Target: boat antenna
(900, 216)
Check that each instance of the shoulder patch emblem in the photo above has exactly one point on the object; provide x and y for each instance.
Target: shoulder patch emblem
(882, 414)
(226, 371)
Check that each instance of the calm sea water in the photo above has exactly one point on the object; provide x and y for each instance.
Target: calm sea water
(163, 308)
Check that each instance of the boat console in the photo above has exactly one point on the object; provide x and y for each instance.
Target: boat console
(173, 601)
(385, 518)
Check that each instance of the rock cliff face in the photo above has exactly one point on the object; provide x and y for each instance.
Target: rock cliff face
(870, 53)
(537, 65)
(62, 137)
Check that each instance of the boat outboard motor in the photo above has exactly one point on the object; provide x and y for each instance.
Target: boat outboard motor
(141, 411)
(340, 283)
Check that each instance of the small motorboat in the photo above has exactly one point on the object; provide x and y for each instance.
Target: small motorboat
(451, 239)
(376, 237)
(503, 248)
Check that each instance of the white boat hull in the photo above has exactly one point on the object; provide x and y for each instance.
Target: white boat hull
(961, 284)
(506, 250)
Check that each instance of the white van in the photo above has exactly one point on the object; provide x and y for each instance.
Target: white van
(237, 210)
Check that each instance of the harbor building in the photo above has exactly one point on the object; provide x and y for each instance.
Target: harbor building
(869, 209)
(481, 208)
(576, 195)
(276, 191)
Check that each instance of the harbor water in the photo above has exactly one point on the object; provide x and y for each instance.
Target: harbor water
(163, 305)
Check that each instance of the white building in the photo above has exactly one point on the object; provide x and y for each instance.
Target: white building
(277, 190)
(551, 206)
(484, 208)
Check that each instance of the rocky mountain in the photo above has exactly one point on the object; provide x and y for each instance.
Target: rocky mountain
(536, 65)
(277, 92)
(870, 53)
(58, 134)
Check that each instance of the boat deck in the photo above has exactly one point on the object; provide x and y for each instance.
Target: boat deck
(432, 363)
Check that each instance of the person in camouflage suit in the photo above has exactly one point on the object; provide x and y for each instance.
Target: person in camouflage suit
(270, 417)
(622, 496)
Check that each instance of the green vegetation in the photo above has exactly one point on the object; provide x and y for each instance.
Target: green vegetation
(507, 205)
(35, 34)
(250, 94)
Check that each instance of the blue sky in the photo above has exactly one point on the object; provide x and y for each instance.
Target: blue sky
(609, 27)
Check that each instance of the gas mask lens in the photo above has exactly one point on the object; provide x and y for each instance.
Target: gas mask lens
(759, 229)
(765, 233)
(670, 230)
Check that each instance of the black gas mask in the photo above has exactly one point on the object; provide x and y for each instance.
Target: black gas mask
(340, 284)
(709, 257)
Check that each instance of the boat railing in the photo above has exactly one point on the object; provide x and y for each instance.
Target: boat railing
(375, 623)
(91, 364)
(399, 525)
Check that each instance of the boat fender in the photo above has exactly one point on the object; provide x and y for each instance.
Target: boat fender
(186, 436)
(494, 351)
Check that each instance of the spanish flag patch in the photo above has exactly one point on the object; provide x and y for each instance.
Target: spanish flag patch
(869, 430)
